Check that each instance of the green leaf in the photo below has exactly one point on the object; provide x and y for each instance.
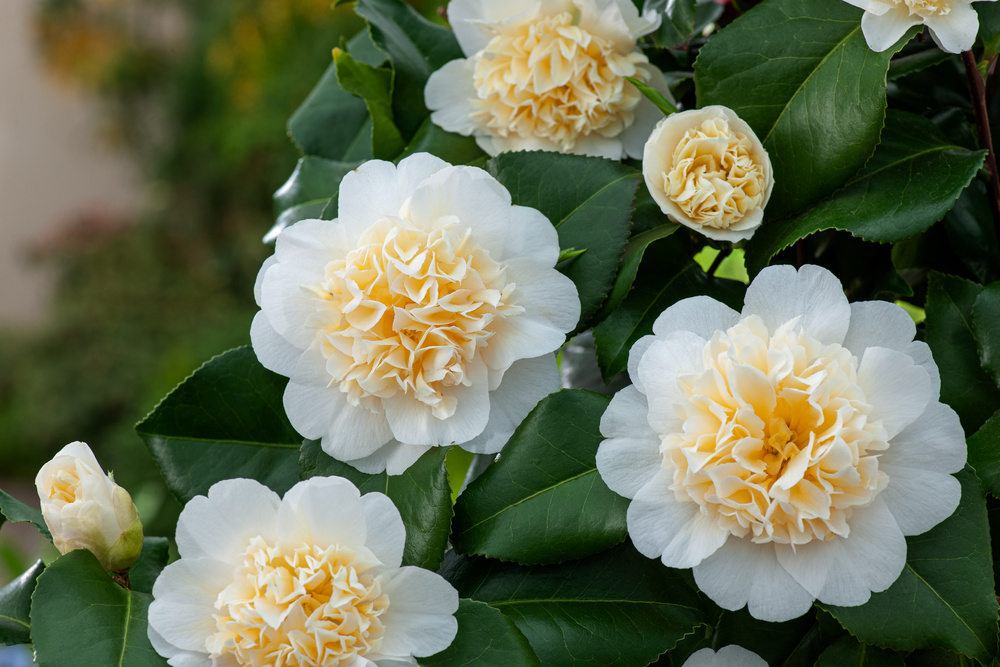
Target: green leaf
(656, 97)
(486, 638)
(910, 183)
(315, 179)
(224, 421)
(972, 235)
(588, 199)
(848, 652)
(616, 608)
(15, 511)
(916, 57)
(79, 616)
(364, 50)
(794, 643)
(965, 386)
(288, 217)
(800, 73)
(543, 501)
(452, 148)
(421, 494)
(989, 28)
(153, 558)
(416, 48)
(631, 259)
(986, 324)
(944, 597)
(15, 607)
(984, 454)
(332, 123)
(677, 26)
(666, 276)
(374, 86)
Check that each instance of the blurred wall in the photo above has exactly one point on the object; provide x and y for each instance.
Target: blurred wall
(53, 167)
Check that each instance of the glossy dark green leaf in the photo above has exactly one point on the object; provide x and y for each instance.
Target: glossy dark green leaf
(288, 217)
(364, 50)
(486, 638)
(984, 454)
(613, 609)
(79, 616)
(915, 57)
(944, 597)
(224, 421)
(588, 199)
(910, 183)
(965, 385)
(986, 323)
(666, 276)
(15, 511)
(849, 652)
(331, 123)
(15, 607)
(794, 643)
(665, 106)
(374, 86)
(800, 73)
(972, 234)
(450, 147)
(416, 48)
(421, 494)
(543, 501)
(631, 259)
(677, 25)
(315, 179)
(989, 28)
(153, 558)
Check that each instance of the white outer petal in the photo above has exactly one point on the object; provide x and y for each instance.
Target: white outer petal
(813, 294)
(630, 456)
(664, 360)
(184, 601)
(393, 458)
(347, 431)
(846, 571)
(451, 97)
(883, 30)
(898, 389)
(733, 655)
(532, 236)
(377, 189)
(420, 620)
(878, 324)
(701, 315)
(471, 19)
(385, 529)
(273, 351)
(324, 511)
(219, 526)
(743, 573)
(956, 31)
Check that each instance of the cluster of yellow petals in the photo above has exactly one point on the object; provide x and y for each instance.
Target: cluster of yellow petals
(407, 311)
(926, 7)
(777, 441)
(304, 607)
(714, 177)
(552, 79)
(65, 485)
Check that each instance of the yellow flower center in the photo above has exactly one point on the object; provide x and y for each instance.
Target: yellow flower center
(777, 441)
(926, 7)
(714, 178)
(65, 485)
(306, 606)
(551, 79)
(407, 311)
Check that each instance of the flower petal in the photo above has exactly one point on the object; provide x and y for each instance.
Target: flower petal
(813, 294)
(955, 31)
(701, 315)
(324, 511)
(348, 432)
(664, 361)
(532, 236)
(420, 619)
(386, 532)
(219, 526)
(920, 352)
(898, 389)
(883, 30)
(934, 441)
(393, 458)
(451, 96)
(878, 324)
(630, 456)
(676, 532)
(470, 19)
(377, 189)
(184, 601)
(845, 571)
(273, 351)
(743, 573)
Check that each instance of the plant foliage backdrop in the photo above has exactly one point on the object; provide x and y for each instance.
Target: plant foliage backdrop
(881, 176)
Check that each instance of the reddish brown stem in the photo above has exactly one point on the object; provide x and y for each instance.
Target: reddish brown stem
(977, 91)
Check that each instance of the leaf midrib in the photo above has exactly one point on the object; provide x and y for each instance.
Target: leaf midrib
(4, 617)
(521, 501)
(589, 601)
(128, 623)
(271, 445)
(948, 606)
(591, 197)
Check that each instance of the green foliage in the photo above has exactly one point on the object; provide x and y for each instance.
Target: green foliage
(421, 494)
(80, 616)
(224, 421)
(374, 86)
(485, 638)
(15, 607)
(543, 501)
(14, 510)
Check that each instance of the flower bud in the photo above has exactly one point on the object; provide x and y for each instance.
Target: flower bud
(707, 170)
(85, 509)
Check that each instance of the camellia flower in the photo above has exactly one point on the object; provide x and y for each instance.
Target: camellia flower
(784, 452)
(708, 171)
(727, 656)
(425, 315)
(548, 75)
(312, 580)
(953, 23)
(85, 509)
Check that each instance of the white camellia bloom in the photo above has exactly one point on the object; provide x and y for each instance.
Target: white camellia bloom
(727, 656)
(783, 452)
(313, 580)
(426, 314)
(548, 75)
(708, 171)
(953, 23)
(85, 509)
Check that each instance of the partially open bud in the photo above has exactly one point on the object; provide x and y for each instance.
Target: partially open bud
(85, 509)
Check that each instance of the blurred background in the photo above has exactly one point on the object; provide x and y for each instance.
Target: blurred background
(140, 143)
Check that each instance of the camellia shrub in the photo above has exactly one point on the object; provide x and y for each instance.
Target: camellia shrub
(769, 234)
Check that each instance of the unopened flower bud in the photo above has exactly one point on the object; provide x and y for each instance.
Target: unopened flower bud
(85, 509)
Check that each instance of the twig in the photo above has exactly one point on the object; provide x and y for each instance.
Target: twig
(718, 260)
(978, 94)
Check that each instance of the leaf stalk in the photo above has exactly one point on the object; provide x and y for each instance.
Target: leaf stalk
(977, 92)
